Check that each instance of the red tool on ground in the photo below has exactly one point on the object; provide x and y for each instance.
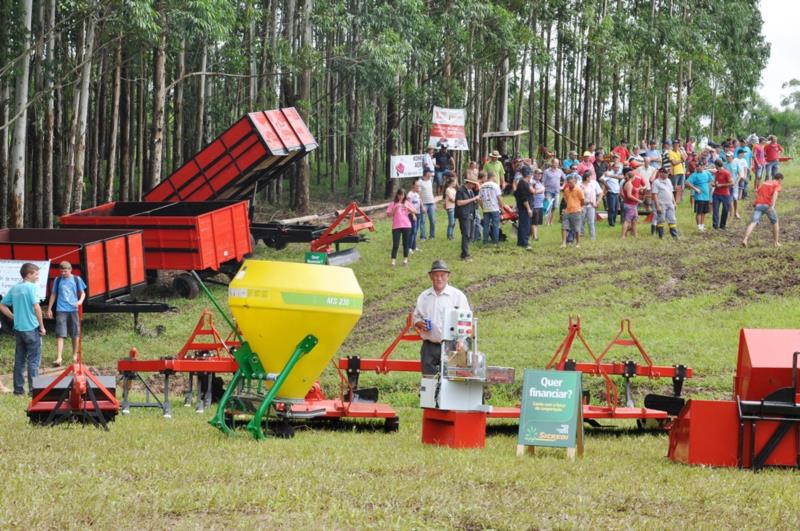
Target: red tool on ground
(760, 426)
(204, 355)
(658, 407)
(75, 395)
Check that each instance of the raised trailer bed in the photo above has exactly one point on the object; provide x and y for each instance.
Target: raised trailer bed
(207, 237)
(255, 149)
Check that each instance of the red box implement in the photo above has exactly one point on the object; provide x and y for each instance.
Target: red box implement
(207, 237)
(111, 262)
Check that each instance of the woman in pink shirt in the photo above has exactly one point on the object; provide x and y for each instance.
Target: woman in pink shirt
(400, 210)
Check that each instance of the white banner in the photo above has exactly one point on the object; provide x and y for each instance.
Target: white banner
(448, 128)
(406, 166)
(9, 275)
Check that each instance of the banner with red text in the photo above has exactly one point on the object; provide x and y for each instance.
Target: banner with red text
(448, 128)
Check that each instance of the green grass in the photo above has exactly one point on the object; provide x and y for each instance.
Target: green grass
(687, 301)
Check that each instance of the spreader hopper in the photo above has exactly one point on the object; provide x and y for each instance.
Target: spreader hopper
(293, 318)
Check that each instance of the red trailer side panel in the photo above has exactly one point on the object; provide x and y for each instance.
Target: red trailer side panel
(178, 236)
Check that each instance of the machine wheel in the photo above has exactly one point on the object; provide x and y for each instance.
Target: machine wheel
(282, 429)
(186, 286)
(276, 243)
(151, 276)
(391, 424)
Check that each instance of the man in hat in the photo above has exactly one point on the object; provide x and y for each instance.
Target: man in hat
(466, 213)
(494, 165)
(429, 315)
(585, 165)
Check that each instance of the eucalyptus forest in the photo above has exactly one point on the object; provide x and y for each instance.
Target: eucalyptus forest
(101, 100)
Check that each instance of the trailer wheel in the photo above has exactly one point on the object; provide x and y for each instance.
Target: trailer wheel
(391, 424)
(186, 286)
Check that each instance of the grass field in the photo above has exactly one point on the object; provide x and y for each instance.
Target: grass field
(687, 300)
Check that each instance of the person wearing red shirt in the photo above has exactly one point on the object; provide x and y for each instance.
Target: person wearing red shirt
(631, 199)
(622, 150)
(723, 181)
(772, 153)
(766, 197)
(759, 158)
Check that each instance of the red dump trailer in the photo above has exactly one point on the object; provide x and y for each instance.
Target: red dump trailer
(111, 262)
(207, 237)
(255, 149)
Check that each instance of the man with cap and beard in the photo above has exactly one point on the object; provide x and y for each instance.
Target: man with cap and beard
(429, 315)
(466, 213)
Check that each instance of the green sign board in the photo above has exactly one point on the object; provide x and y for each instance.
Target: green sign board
(551, 409)
(316, 258)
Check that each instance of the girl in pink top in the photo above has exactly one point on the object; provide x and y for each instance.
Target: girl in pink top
(400, 211)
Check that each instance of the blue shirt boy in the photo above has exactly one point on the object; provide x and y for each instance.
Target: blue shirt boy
(68, 291)
(22, 297)
(702, 181)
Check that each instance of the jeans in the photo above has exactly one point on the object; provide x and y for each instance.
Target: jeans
(412, 241)
(430, 210)
(465, 224)
(477, 227)
(28, 354)
(491, 220)
(772, 169)
(716, 201)
(405, 233)
(589, 215)
(612, 200)
(523, 226)
(451, 223)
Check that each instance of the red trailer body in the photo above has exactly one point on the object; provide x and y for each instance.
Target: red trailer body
(111, 262)
(254, 149)
(177, 236)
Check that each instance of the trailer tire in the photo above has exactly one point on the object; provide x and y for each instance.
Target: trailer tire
(186, 286)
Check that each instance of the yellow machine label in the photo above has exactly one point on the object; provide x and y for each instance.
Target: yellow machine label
(324, 301)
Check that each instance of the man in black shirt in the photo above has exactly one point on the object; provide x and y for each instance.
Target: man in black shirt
(466, 197)
(524, 198)
(444, 162)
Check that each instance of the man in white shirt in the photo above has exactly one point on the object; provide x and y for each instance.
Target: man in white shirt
(427, 160)
(429, 315)
(491, 196)
(428, 204)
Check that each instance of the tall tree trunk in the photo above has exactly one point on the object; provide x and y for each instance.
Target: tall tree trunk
(17, 169)
(127, 121)
(112, 143)
(49, 136)
(391, 137)
(4, 137)
(678, 100)
(141, 144)
(304, 173)
(83, 111)
(159, 101)
(557, 148)
(97, 136)
(201, 98)
(177, 142)
(253, 81)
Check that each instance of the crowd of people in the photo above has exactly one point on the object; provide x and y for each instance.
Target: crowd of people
(625, 184)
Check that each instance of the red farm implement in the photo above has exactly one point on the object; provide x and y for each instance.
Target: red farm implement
(75, 395)
(760, 425)
(657, 407)
(204, 355)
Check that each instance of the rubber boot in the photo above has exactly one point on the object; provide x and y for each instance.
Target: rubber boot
(660, 231)
(652, 229)
(673, 231)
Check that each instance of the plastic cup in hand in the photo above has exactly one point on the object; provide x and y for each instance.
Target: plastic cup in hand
(428, 324)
